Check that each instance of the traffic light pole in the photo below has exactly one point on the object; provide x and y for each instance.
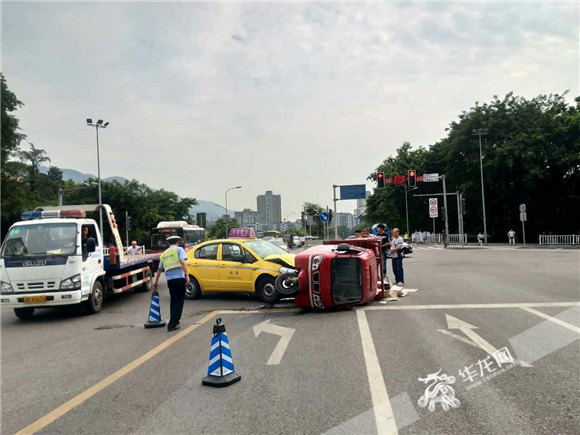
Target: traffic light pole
(407, 208)
(127, 227)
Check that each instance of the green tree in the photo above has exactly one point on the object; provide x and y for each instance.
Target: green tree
(35, 157)
(55, 179)
(217, 230)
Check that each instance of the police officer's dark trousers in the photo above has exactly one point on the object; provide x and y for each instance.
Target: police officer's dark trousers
(177, 294)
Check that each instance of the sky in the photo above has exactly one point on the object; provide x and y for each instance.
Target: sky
(289, 97)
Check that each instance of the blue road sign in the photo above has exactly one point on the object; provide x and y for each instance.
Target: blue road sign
(354, 191)
(323, 216)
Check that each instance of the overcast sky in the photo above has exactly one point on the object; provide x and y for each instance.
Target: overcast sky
(289, 97)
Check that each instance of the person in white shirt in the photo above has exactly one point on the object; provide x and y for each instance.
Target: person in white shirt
(397, 256)
(512, 237)
(133, 249)
(480, 238)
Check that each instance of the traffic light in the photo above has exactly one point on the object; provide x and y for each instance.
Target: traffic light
(302, 218)
(128, 223)
(443, 213)
(380, 179)
(412, 177)
(463, 205)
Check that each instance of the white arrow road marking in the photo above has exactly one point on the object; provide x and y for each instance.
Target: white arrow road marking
(285, 337)
(467, 329)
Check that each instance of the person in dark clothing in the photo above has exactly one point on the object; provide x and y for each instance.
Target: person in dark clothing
(385, 246)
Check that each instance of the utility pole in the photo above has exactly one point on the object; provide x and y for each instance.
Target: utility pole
(407, 207)
(479, 133)
(445, 205)
(127, 227)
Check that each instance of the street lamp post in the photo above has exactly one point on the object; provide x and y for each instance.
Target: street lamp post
(227, 217)
(97, 125)
(482, 132)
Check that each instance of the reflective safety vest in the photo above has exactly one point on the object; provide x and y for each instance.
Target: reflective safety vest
(170, 258)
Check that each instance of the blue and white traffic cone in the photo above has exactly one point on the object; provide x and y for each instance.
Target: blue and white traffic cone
(220, 370)
(155, 320)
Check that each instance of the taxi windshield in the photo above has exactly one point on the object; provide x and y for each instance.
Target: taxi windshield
(40, 239)
(264, 248)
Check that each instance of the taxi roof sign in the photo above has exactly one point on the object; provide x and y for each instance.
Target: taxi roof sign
(242, 233)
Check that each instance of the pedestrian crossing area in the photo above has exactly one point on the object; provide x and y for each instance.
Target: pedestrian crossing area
(427, 248)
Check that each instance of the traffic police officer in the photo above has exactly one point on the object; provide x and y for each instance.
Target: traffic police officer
(172, 262)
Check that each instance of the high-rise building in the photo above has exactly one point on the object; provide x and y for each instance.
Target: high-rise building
(239, 217)
(345, 220)
(269, 209)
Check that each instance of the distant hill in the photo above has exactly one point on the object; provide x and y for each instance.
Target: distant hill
(79, 177)
(213, 210)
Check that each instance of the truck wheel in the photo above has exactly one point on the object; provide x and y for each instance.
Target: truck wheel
(146, 286)
(24, 313)
(95, 302)
(285, 286)
(192, 290)
(267, 290)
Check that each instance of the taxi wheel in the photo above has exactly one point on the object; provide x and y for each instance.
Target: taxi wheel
(192, 290)
(24, 313)
(267, 290)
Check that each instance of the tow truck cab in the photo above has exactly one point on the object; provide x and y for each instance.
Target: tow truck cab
(45, 262)
(338, 274)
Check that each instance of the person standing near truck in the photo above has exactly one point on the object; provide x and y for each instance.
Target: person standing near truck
(172, 262)
(385, 246)
(397, 255)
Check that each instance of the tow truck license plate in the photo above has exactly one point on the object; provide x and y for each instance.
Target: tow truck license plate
(34, 299)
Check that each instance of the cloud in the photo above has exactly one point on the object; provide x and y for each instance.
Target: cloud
(290, 97)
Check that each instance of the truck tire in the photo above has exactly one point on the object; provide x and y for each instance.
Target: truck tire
(146, 286)
(284, 286)
(193, 289)
(24, 313)
(267, 290)
(95, 302)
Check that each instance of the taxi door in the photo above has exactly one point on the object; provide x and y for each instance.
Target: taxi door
(235, 273)
(203, 265)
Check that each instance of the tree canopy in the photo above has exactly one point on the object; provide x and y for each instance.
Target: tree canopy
(531, 155)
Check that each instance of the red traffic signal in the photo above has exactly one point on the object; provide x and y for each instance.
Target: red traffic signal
(380, 179)
(412, 178)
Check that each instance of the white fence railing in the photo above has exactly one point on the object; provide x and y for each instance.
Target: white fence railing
(437, 238)
(141, 250)
(573, 239)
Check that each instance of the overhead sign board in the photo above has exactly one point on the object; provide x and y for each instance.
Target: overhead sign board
(430, 178)
(522, 208)
(433, 208)
(323, 216)
(201, 220)
(353, 191)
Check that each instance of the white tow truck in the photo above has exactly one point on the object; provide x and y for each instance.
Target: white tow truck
(46, 261)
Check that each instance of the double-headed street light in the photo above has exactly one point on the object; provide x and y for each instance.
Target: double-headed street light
(227, 217)
(99, 124)
(481, 132)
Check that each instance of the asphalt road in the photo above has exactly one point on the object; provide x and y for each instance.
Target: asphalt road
(343, 372)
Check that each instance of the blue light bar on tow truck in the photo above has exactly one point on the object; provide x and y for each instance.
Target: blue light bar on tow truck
(28, 215)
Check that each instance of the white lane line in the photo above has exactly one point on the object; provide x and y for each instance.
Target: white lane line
(384, 416)
(552, 319)
(458, 337)
(462, 306)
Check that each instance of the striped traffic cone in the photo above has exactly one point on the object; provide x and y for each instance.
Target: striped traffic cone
(220, 370)
(155, 320)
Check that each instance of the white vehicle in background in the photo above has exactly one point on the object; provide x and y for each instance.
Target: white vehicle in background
(297, 241)
(280, 243)
(45, 262)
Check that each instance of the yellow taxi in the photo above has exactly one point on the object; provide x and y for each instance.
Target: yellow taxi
(237, 266)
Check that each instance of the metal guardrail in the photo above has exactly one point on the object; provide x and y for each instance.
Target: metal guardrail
(141, 250)
(572, 239)
(436, 238)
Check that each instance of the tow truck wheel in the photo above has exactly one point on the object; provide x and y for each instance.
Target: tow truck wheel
(95, 302)
(192, 290)
(146, 286)
(24, 313)
(267, 290)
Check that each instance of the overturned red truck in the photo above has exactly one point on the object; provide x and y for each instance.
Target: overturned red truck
(335, 275)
